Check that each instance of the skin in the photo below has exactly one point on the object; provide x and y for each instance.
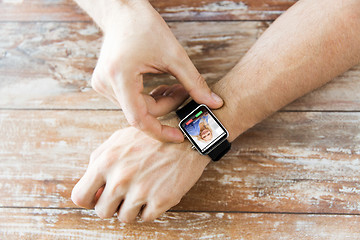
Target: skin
(309, 45)
(206, 135)
(134, 176)
(133, 46)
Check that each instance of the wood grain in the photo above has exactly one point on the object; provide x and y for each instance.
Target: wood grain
(69, 224)
(293, 176)
(55, 61)
(292, 162)
(178, 10)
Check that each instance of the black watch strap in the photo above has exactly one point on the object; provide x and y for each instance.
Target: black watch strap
(187, 109)
(219, 151)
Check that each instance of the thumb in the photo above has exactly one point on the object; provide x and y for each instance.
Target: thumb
(187, 74)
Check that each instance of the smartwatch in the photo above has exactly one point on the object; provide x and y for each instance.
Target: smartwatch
(205, 132)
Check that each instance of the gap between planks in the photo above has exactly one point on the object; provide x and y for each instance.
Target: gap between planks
(199, 211)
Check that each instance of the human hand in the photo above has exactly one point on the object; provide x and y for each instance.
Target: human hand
(137, 170)
(138, 41)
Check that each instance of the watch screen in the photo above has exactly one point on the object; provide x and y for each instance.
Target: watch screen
(203, 129)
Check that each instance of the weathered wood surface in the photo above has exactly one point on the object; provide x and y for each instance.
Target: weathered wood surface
(292, 162)
(55, 61)
(69, 224)
(294, 176)
(178, 10)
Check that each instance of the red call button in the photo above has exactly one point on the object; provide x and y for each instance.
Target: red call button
(188, 122)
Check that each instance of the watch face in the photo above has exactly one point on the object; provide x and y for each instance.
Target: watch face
(203, 129)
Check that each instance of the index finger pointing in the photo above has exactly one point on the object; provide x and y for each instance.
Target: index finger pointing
(164, 133)
(129, 91)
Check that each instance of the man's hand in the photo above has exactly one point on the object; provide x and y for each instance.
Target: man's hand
(137, 41)
(131, 170)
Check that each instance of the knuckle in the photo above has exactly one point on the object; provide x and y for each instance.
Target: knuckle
(121, 182)
(119, 187)
(110, 157)
(199, 80)
(199, 83)
(110, 154)
(140, 194)
(97, 172)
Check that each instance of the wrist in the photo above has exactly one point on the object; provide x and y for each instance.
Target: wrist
(122, 11)
(172, 120)
(235, 122)
(193, 154)
(237, 114)
(107, 12)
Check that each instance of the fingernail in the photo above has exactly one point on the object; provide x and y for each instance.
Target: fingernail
(178, 136)
(216, 98)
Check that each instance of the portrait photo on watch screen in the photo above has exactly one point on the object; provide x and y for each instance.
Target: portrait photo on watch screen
(203, 129)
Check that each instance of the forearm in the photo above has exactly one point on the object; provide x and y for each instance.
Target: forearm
(104, 12)
(306, 47)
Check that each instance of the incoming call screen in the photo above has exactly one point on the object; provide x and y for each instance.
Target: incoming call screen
(203, 129)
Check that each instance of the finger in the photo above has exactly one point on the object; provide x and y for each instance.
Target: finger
(98, 194)
(109, 201)
(129, 90)
(130, 209)
(169, 100)
(184, 70)
(152, 211)
(159, 91)
(84, 192)
(164, 133)
(165, 90)
(173, 89)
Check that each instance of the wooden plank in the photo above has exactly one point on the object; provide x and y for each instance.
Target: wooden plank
(292, 162)
(60, 57)
(221, 10)
(79, 224)
(178, 10)
(55, 61)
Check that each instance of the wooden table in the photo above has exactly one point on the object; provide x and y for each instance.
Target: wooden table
(293, 176)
